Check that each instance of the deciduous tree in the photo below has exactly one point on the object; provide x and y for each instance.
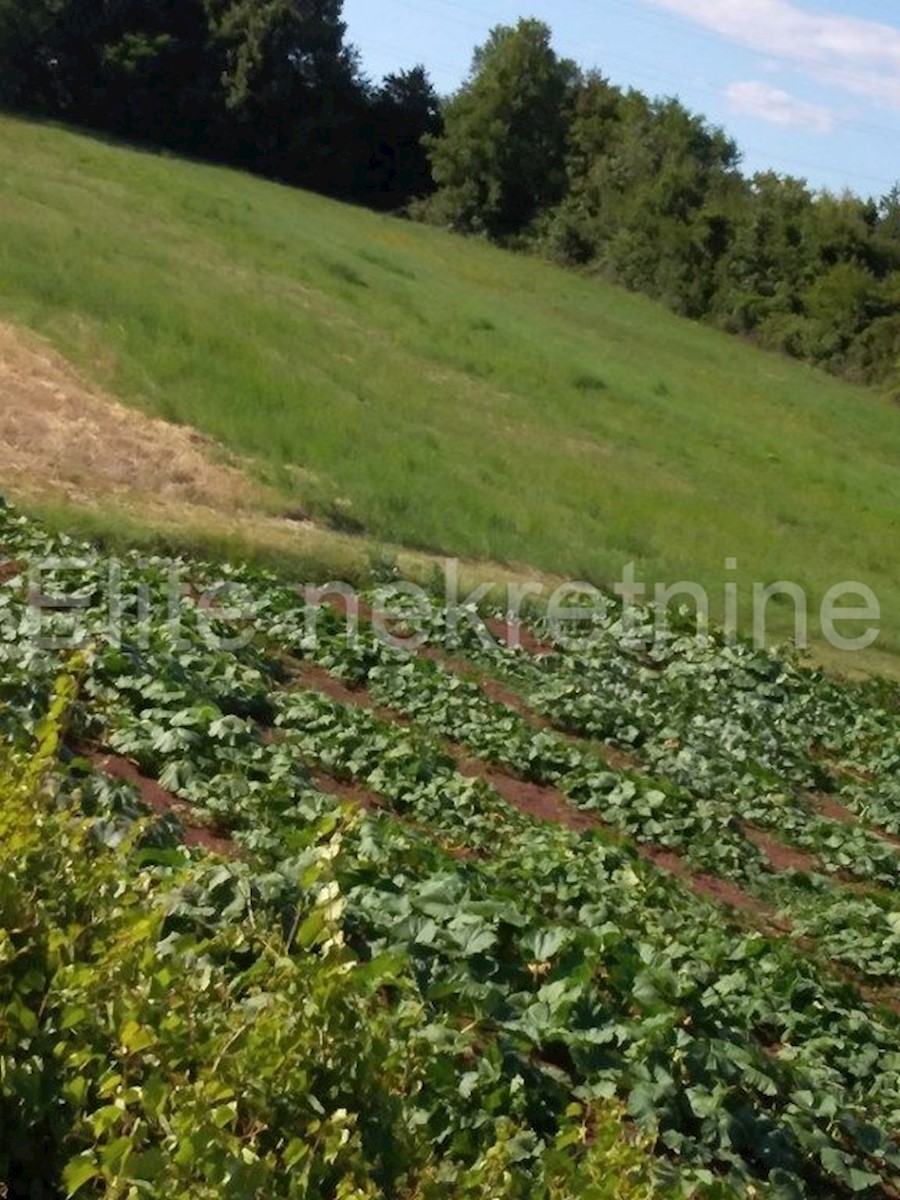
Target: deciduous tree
(501, 160)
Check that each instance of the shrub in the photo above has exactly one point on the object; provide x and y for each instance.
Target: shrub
(158, 1040)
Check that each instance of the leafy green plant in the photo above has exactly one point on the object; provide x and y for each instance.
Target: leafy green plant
(162, 1031)
(484, 971)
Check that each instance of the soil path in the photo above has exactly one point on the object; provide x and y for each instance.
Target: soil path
(160, 801)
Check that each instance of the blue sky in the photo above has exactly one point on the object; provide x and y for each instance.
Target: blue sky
(807, 87)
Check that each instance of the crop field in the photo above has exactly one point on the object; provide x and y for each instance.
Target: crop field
(414, 389)
(656, 875)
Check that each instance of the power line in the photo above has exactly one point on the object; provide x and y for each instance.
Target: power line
(688, 28)
(651, 71)
(416, 7)
(827, 72)
(393, 48)
(887, 184)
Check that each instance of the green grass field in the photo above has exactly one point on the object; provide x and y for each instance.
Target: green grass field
(440, 393)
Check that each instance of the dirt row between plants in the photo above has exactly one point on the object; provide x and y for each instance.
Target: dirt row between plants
(158, 800)
(780, 855)
(516, 636)
(541, 802)
(214, 840)
(361, 797)
(10, 570)
(197, 835)
(545, 803)
(828, 807)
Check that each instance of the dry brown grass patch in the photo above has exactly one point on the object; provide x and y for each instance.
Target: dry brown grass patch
(60, 434)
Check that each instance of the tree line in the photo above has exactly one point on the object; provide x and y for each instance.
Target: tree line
(538, 153)
(532, 152)
(271, 86)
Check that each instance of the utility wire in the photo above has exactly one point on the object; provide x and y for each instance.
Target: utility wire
(483, 24)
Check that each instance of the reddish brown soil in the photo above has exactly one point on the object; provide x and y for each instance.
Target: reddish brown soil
(619, 760)
(516, 636)
(317, 679)
(352, 793)
(502, 695)
(163, 802)
(209, 601)
(828, 807)
(543, 803)
(509, 633)
(780, 856)
(885, 996)
(10, 570)
(466, 670)
(492, 689)
(708, 886)
(890, 838)
(549, 804)
(361, 797)
(836, 766)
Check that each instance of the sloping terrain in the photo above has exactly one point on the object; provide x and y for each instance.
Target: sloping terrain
(68, 447)
(57, 431)
(667, 874)
(393, 381)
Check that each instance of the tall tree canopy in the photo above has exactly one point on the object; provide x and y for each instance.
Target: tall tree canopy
(292, 86)
(142, 69)
(650, 195)
(642, 178)
(501, 159)
(405, 113)
(271, 85)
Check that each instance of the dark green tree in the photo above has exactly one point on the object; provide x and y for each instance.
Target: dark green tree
(500, 162)
(293, 89)
(405, 111)
(573, 233)
(647, 197)
(27, 74)
(761, 279)
(889, 215)
(136, 68)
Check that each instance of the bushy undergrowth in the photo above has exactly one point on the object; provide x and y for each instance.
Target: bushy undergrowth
(167, 1028)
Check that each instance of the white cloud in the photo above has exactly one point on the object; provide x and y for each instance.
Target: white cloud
(847, 52)
(757, 99)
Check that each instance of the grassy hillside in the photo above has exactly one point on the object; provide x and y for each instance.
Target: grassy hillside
(439, 393)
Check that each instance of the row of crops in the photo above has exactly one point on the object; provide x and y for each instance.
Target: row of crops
(709, 760)
(755, 1048)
